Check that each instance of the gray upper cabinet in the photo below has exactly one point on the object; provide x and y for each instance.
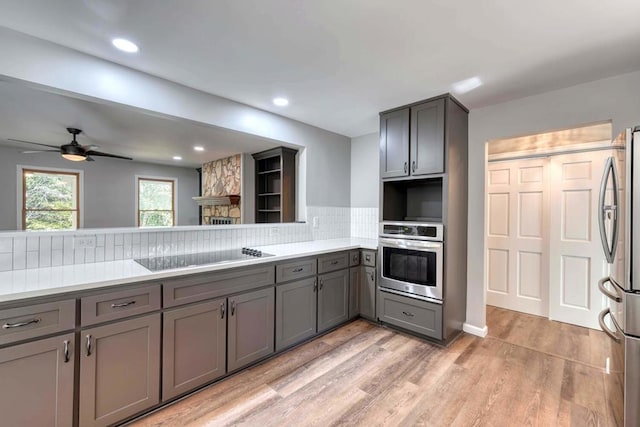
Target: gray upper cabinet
(295, 312)
(333, 299)
(119, 370)
(427, 138)
(37, 383)
(194, 346)
(250, 327)
(368, 293)
(394, 144)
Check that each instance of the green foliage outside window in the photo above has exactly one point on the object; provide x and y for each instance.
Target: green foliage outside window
(155, 203)
(50, 201)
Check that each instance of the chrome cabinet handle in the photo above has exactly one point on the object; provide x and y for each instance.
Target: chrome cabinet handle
(88, 345)
(222, 310)
(367, 257)
(614, 296)
(606, 330)
(413, 166)
(321, 284)
(123, 304)
(233, 308)
(334, 262)
(298, 270)
(315, 286)
(407, 313)
(355, 258)
(373, 277)
(21, 324)
(405, 167)
(65, 352)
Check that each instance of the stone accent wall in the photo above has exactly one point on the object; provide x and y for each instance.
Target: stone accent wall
(221, 177)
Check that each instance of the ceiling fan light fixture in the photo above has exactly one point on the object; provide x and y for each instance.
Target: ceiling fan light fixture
(74, 157)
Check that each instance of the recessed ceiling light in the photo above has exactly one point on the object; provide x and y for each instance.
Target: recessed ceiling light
(125, 45)
(281, 102)
(177, 158)
(464, 86)
(198, 148)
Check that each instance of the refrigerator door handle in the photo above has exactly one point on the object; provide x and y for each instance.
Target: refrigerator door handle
(613, 335)
(606, 210)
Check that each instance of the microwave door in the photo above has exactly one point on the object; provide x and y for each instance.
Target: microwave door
(607, 210)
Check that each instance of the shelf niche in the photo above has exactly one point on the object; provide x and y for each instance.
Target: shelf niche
(275, 185)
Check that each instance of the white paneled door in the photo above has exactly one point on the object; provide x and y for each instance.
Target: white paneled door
(576, 256)
(517, 236)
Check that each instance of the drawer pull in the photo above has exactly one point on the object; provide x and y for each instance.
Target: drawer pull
(88, 345)
(298, 270)
(367, 257)
(355, 258)
(21, 324)
(65, 351)
(334, 262)
(123, 304)
(222, 310)
(407, 313)
(233, 308)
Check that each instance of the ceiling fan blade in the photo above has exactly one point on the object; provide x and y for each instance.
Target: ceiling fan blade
(99, 153)
(90, 159)
(89, 147)
(41, 151)
(34, 143)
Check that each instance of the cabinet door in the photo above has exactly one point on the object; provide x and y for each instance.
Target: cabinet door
(427, 138)
(333, 299)
(368, 293)
(251, 327)
(394, 144)
(36, 383)
(295, 312)
(119, 370)
(354, 291)
(194, 340)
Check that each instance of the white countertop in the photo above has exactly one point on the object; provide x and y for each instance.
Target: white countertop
(22, 284)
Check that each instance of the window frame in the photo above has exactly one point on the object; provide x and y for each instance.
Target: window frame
(21, 194)
(174, 205)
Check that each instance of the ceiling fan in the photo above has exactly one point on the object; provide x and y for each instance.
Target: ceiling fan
(72, 151)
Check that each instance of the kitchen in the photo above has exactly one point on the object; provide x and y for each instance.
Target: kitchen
(532, 102)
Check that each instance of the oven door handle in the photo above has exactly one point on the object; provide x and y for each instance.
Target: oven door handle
(410, 244)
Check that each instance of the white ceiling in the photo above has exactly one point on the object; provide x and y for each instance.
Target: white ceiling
(38, 116)
(342, 61)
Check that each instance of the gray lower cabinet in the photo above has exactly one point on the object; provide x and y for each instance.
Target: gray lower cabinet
(250, 327)
(412, 314)
(368, 293)
(119, 370)
(333, 299)
(37, 383)
(194, 346)
(295, 312)
(355, 275)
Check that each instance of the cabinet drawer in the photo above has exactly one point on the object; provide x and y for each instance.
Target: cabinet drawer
(369, 258)
(414, 315)
(298, 269)
(119, 304)
(333, 262)
(213, 285)
(33, 321)
(354, 258)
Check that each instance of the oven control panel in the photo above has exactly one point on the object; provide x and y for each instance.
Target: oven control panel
(412, 230)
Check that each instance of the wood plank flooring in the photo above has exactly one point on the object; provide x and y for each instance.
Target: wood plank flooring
(529, 371)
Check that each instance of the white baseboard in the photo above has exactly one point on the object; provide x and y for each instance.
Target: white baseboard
(474, 330)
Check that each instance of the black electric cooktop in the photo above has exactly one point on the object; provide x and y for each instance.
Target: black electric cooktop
(169, 262)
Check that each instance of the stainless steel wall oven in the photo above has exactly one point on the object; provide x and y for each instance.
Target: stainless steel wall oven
(411, 259)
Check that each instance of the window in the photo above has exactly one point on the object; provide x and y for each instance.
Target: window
(50, 200)
(156, 202)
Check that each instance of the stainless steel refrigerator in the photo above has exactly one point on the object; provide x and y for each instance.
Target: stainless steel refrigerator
(620, 234)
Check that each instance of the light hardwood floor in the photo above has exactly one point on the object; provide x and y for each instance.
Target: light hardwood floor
(529, 371)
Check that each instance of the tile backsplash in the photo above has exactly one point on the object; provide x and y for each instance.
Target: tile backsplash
(34, 251)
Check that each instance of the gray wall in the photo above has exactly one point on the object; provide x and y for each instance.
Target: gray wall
(365, 171)
(109, 188)
(614, 98)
